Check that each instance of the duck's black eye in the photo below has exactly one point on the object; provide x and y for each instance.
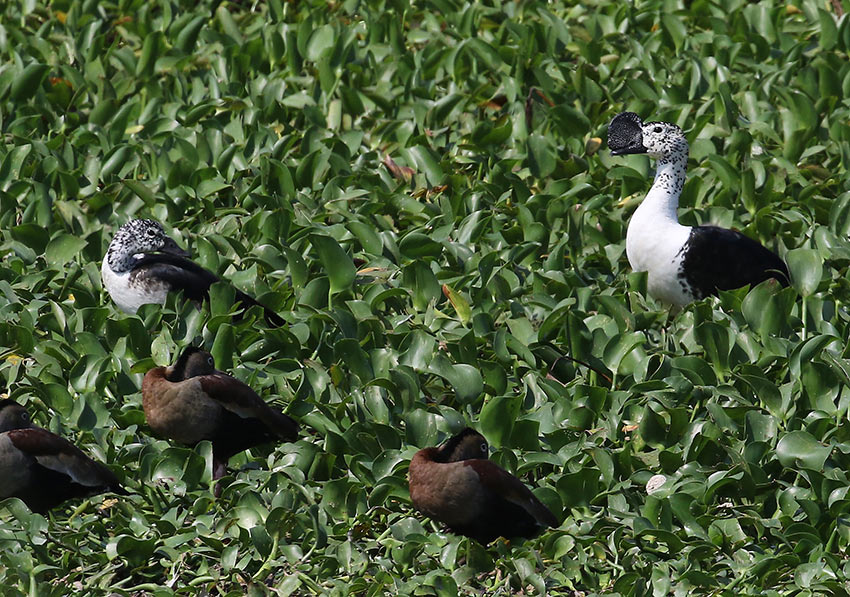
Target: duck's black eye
(656, 129)
(25, 416)
(483, 448)
(211, 362)
(150, 232)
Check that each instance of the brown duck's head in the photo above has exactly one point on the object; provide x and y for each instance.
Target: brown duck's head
(466, 445)
(13, 416)
(192, 363)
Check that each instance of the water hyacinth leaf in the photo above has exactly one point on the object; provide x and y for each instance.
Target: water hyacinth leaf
(467, 382)
(115, 160)
(426, 288)
(369, 239)
(800, 449)
(806, 268)
(63, 248)
(140, 189)
(428, 161)
(336, 263)
(223, 347)
(27, 82)
(715, 341)
(761, 309)
(150, 52)
(541, 155)
(321, 40)
(620, 346)
(161, 350)
(675, 28)
(357, 360)
(460, 304)
(418, 246)
(828, 31)
(188, 36)
(497, 419)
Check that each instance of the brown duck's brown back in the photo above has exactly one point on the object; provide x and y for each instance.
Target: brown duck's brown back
(179, 410)
(215, 407)
(448, 492)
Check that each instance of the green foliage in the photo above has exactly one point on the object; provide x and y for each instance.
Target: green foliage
(419, 189)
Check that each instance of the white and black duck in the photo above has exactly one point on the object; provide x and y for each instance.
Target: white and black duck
(143, 264)
(683, 263)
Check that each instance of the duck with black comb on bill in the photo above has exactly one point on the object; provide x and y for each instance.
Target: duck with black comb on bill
(683, 263)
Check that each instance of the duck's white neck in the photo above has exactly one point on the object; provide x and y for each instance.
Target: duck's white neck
(662, 201)
(655, 237)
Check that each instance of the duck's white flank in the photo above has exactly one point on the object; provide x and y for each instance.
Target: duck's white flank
(127, 294)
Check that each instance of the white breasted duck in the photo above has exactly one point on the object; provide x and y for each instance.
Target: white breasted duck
(684, 263)
(191, 401)
(456, 484)
(143, 264)
(43, 469)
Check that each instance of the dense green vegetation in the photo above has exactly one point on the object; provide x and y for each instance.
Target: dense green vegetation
(419, 189)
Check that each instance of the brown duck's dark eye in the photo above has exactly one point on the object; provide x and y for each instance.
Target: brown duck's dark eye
(483, 448)
(210, 361)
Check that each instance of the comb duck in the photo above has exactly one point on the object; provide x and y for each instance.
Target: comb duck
(143, 264)
(683, 263)
(456, 484)
(43, 469)
(191, 401)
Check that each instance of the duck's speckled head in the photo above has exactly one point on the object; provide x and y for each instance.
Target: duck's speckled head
(137, 237)
(628, 134)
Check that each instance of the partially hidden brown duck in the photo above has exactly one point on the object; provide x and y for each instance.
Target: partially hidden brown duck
(191, 401)
(457, 485)
(43, 469)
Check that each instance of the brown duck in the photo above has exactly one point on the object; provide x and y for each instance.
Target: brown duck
(43, 469)
(191, 401)
(456, 484)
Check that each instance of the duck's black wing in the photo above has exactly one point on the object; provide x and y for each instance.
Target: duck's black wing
(715, 258)
(247, 419)
(60, 471)
(183, 274)
(508, 508)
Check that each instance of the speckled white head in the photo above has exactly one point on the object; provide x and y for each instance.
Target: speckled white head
(627, 134)
(134, 239)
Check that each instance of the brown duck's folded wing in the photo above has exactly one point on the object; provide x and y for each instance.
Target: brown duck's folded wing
(241, 400)
(499, 481)
(59, 455)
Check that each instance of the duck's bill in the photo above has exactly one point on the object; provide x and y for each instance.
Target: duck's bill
(629, 149)
(172, 248)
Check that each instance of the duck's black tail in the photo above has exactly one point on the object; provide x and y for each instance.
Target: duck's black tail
(272, 318)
